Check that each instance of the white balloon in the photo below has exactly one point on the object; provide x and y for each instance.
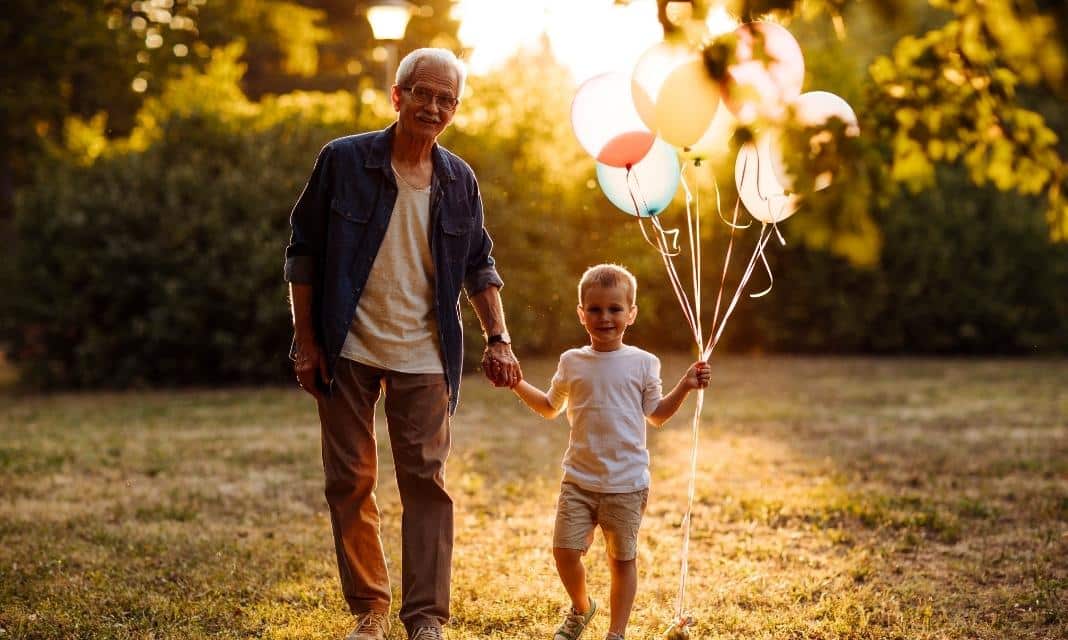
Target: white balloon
(758, 187)
(813, 109)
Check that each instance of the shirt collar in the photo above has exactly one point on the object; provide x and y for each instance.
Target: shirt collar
(378, 158)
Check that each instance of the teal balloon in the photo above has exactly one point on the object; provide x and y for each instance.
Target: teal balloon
(650, 185)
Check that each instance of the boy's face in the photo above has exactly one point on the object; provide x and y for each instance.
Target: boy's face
(606, 312)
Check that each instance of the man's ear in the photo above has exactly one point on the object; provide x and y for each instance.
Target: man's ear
(395, 97)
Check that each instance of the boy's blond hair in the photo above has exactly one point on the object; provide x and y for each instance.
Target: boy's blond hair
(608, 275)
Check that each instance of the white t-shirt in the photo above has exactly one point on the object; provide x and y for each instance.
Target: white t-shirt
(395, 326)
(607, 394)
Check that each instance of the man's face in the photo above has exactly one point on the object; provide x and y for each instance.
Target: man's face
(419, 105)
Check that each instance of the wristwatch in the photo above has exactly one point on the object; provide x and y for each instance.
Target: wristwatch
(503, 338)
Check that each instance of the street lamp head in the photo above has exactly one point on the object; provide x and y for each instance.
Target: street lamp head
(389, 18)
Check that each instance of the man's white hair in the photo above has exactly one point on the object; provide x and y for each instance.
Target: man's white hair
(411, 62)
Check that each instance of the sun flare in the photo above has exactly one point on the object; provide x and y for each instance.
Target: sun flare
(588, 37)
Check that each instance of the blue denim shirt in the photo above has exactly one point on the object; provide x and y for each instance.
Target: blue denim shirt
(341, 217)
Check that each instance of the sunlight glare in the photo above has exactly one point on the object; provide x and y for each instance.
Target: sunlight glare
(588, 37)
(719, 22)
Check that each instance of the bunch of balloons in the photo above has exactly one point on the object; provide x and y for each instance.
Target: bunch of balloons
(638, 125)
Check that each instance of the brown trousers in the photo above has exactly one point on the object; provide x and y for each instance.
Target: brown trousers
(418, 422)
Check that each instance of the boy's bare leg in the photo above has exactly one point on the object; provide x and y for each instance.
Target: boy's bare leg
(624, 586)
(573, 574)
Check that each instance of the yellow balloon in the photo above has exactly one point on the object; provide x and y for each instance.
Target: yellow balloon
(714, 143)
(686, 104)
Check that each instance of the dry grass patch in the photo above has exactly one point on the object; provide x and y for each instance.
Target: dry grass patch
(836, 498)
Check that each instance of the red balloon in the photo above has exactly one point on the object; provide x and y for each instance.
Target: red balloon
(606, 123)
(626, 149)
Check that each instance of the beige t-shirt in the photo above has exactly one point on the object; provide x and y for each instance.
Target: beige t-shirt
(607, 394)
(395, 326)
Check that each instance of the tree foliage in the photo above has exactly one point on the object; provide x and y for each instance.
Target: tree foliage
(159, 261)
(152, 255)
(960, 93)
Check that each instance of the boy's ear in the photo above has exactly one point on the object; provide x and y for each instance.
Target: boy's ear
(578, 311)
(632, 314)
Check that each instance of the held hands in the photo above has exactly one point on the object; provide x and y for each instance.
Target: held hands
(310, 366)
(698, 375)
(501, 366)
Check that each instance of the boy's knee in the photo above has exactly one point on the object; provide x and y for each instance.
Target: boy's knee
(563, 554)
(623, 564)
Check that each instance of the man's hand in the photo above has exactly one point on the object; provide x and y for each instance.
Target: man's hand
(501, 366)
(309, 364)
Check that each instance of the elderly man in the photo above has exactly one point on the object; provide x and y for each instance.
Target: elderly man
(385, 234)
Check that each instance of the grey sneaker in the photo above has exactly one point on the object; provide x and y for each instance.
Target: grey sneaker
(427, 633)
(575, 623)
(373, 625)
(613, 636)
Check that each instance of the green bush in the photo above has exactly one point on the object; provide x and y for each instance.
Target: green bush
(963, 270)
(159, 262)
(161, 266)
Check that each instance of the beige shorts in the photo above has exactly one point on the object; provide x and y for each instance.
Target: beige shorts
(579, 512)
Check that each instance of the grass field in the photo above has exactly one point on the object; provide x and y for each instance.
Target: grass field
(836, 498)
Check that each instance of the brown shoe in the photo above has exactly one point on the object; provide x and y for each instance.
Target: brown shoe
(373, 625)
(428, 633)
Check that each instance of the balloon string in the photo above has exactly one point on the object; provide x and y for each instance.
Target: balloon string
(726, 263)
(696, 257)
(693, 230)
(719, 209)
(771, 278)
(764, 257)
(762, 241)
(687, 517)
(634, 191)
(676, 284)
(666, 251)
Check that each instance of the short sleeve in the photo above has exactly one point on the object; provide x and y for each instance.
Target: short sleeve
(559, 388)
(652, 387)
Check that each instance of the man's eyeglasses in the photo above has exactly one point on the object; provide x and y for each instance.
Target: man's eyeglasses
(422, 95)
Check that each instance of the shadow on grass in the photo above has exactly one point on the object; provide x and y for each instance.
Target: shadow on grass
(922, 497)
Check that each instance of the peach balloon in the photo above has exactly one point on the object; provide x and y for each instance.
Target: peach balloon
(674, 94)
(760, 87)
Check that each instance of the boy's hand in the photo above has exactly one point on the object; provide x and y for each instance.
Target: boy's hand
(501, 366)
(698, 375)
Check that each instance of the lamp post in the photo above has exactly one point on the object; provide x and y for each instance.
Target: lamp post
(389, 19)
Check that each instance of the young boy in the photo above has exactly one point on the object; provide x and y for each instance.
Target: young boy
(610, 390)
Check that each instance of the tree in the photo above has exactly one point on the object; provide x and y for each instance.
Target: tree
(967, 91)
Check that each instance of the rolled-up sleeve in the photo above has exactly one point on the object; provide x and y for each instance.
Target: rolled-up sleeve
(481, 271)
(308, 223)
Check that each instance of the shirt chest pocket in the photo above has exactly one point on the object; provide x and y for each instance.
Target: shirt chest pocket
(351, 210)
(350, 220)
(456, 233)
